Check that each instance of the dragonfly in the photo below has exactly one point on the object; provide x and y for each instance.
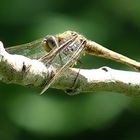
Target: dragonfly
(65, 49)
(51, 49)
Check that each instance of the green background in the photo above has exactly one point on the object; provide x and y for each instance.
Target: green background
(25, 115)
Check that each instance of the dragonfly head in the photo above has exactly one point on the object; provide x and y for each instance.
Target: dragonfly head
(49, 43)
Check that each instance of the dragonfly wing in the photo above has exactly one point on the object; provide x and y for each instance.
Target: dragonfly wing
(71, 61)
(32, 50)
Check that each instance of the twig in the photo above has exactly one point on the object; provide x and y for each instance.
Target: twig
(24, 71)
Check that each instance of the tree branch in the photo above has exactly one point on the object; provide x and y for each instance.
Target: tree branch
(28, 72)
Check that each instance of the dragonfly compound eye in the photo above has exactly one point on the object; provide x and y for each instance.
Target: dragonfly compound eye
(49, 43)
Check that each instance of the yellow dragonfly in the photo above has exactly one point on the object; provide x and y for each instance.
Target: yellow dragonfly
(64, 49)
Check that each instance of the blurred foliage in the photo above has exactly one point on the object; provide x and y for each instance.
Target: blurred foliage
(24, 114)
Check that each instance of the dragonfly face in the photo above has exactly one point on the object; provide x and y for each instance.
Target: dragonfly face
(57, 50)
(49, 43)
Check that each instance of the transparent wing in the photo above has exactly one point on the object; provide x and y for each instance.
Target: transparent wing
(33, 49)
(70, 62)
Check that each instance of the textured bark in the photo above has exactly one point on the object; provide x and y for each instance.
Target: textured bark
(21, 70)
